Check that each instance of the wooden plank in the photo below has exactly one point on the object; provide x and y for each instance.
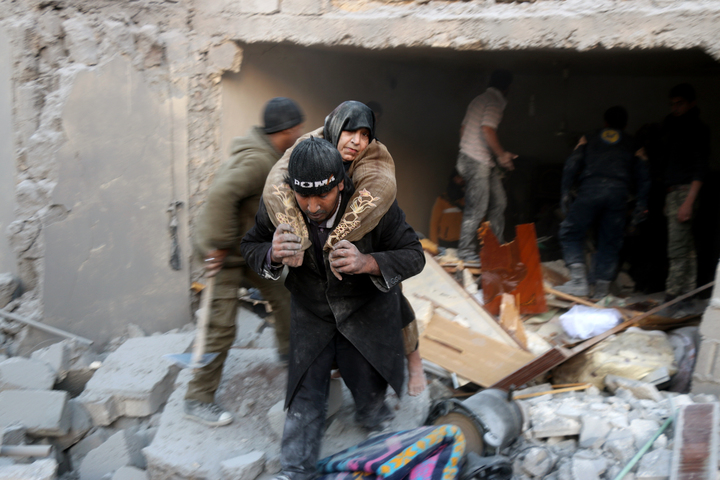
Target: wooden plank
(469, 354)
(435, 284)
(510, 320)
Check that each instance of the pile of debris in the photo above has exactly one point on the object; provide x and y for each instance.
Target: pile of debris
(586, 435)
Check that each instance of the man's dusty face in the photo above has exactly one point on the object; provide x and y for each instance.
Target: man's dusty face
(352, 144)
(679, 106)
(319, 208)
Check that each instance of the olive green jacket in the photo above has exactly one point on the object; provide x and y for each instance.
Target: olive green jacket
(234, 197)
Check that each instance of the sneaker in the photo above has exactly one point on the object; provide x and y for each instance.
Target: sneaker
(207, 413)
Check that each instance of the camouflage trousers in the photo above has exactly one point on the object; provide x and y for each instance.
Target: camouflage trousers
(682, 271)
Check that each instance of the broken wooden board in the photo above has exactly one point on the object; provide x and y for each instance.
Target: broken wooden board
(471, 355)
(510, 320)
(513, 268)
(436, 285)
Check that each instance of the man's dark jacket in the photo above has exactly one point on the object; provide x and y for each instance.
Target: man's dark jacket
(363, 308)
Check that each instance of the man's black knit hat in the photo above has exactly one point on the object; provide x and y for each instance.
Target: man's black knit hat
(315, 167)
(280, 114)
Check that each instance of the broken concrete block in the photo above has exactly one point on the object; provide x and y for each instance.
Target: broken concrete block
(224, 58)
(621, 444)
(594, 431)
(640, 390)
(57, 356)
(80, 41)
(120, 450)
(102, 409)
(38, 470)
(587, 465)
(80, 424)
(18, 373)
(244, 467)
(276, 418)
(135, 380)
(538, 462)
(90, 442)
(43, 412)
(643, 430)
(13, 435)
(130, 473)
(9, 285)
(655, 465)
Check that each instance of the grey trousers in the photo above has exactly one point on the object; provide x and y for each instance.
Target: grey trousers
(484, 197)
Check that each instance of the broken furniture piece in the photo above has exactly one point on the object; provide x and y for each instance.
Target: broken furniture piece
(512, 268)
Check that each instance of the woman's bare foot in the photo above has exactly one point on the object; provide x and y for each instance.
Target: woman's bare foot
(416, 375)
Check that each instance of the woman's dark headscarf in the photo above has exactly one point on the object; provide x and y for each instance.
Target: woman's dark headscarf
(350, 116)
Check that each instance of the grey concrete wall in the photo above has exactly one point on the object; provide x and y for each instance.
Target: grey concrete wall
(107, 260)
(424, 101)
(7, 159)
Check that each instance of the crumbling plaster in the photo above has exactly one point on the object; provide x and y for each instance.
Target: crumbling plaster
(180, 49)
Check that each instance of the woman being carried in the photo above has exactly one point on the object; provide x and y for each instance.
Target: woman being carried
(351, 128)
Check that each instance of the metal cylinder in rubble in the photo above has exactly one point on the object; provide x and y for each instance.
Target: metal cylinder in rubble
(488, 420)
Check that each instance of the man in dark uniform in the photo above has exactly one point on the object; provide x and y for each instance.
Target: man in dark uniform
(354, 320)
(606, 167)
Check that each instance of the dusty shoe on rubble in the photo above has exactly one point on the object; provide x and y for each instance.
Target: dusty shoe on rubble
(578, 284)
(207, 413)
(602, 289)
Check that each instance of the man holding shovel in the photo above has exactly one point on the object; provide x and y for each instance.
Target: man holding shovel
(227, 215)
(353, 318)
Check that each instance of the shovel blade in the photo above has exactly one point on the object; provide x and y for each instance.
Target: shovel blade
(184, 360)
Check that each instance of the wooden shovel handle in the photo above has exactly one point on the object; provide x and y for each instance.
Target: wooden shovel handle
(201, 333)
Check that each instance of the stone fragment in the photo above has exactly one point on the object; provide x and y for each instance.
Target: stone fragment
(134, 331)
(641, 390)
(57, 356)
(655, 465)
(643, 430)
(38, 470)
(18, 373)
(538, 462)
(565, 448)
(130, 473)
(276, 418)
(621, 444)
(42, 412)
(120, 450)
(660, 443)
(226, 57)
(80, 41)
(588, 465)
(593, 432)
(135, 380)
(13, 435)
(9, 285)
(102, 409)
(80, 424)
(244, 467)
(88, 443)
(546, 423)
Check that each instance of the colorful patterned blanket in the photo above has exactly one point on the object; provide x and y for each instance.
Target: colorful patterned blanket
(425, 453)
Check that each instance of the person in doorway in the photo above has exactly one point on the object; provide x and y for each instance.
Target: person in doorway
(480, 162)
(606, 167)
(351, 128)
(351, 317)
(686, 151)
(227, 215)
